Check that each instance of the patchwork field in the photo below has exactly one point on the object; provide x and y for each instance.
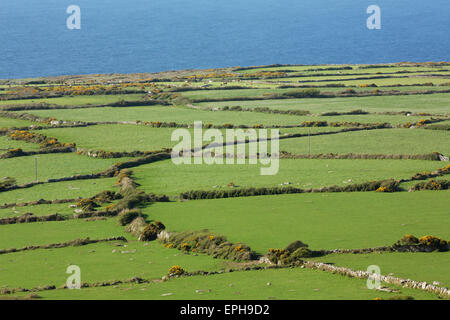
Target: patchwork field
(362, 180)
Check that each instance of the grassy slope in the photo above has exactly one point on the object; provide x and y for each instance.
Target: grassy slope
(8, 123)
(419, 266)
(51, 166)
(384, 141)
(6, 143)
(39, 233)
(186, 115)
(324, 221)
(58, 190)
(168, 178)
(77, 100)
(436, 103)
(149, 261)
(286, 284)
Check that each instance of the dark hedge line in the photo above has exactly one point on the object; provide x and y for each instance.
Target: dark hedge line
(13, 153)
(445, 127)
(347, 93)
(37, 202)
(389, 185)
(184, 89)
(47, 106)
(437, 173)
(73, 243)
(121, 154)
(29, 217)
(431, 185)
(208, 243)
(113, 170)
(431, 156)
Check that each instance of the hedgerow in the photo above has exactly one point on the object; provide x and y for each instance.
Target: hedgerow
(431, 185)
(426, 243)
(389, 185)
(208, 243)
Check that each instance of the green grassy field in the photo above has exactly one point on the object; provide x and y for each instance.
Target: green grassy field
(8, 123)
(385, 141)
(171, 179)
(132, 259)
(77, 100)
(52, 166)
(262, 93)
(326, 220)
(40, 233)
(59, 190)
(322, 220)
(421, 266)
(436, 103)
(286, 284)
(6, 143)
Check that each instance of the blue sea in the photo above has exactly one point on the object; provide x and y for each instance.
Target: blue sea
(128, 36)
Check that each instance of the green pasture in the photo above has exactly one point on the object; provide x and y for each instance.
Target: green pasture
(114, 260)
(434, 103)
(52, 166)
(283, 284)
(41, 233)
(6, 143)
(322, 220)
(10, 123)
(318, 69)
(77, 100)
(38, 210)
(58, 190)
(383, 141)
(420, 266)
(262, 93)
(165, 177)
(184, 115)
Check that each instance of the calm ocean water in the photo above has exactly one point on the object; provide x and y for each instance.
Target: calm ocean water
(125, 36)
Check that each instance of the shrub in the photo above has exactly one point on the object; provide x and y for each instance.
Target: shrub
(301, 253)
(409, 240)
(431, 185)
(304, 93)
(106, 196)
(427, 243)
(176, 271)
(205, 242)
(128, 215)
(293, 253)
(87, 205)
(434, 242)
(150, 232)
(6, 183)
(295, 245)
(136, 226)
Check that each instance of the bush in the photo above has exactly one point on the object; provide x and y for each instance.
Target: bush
(431, 185)
(128, 215)
(295, 245)
(136, 226)
(301, 253)
(7, 182)
(176, 271)
(151, 231)
(87, 205)
(205, 242)
(434, 242)
(409, 240)
(293, 253)
(424, 244)
(304, 93)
